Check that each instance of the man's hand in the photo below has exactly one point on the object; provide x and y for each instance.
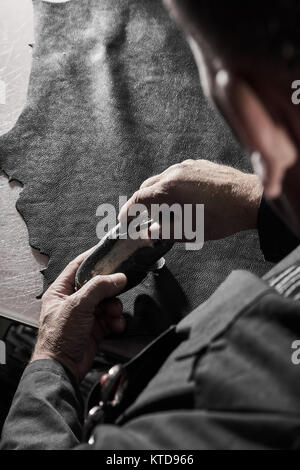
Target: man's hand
(73, 323)
(231, 198)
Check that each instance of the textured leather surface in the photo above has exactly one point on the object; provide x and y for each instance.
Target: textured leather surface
(114, 98)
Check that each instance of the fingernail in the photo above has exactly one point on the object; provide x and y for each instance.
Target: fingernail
(117, 276)
(154, 230)
(222, 78)
(119, 279)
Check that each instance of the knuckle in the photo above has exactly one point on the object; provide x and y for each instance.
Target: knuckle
(156, 195)
(74, 301)
(138, 196)
(174, 174)
(135, 198)
(107, 283)
(74, 262)
(147, 182)
(99, 283)
(188, 162)
(174, 167)
(143, 196)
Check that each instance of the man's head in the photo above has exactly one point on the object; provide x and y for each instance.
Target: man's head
(248, 55)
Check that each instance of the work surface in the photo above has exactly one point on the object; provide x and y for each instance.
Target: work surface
(20, 277)
(20, 265)
(114, 99)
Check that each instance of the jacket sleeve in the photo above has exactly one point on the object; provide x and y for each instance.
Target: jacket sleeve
(47, 410)
(276, 239)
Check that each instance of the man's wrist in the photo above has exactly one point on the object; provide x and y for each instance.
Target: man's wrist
(246, 197)
(254, 192)
(65, 362)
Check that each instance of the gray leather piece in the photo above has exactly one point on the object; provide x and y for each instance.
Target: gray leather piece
(114, 98)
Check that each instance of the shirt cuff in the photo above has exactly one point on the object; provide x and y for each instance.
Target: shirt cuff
(276, 239)
(54, 367)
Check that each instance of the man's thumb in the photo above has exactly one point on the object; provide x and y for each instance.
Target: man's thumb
(99, 288)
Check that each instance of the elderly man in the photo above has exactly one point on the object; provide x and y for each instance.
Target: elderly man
(226, 376)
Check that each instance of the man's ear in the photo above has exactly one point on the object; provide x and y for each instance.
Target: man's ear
(256, 130)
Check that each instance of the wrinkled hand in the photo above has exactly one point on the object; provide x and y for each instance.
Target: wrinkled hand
(73, 323)
(231, 198)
